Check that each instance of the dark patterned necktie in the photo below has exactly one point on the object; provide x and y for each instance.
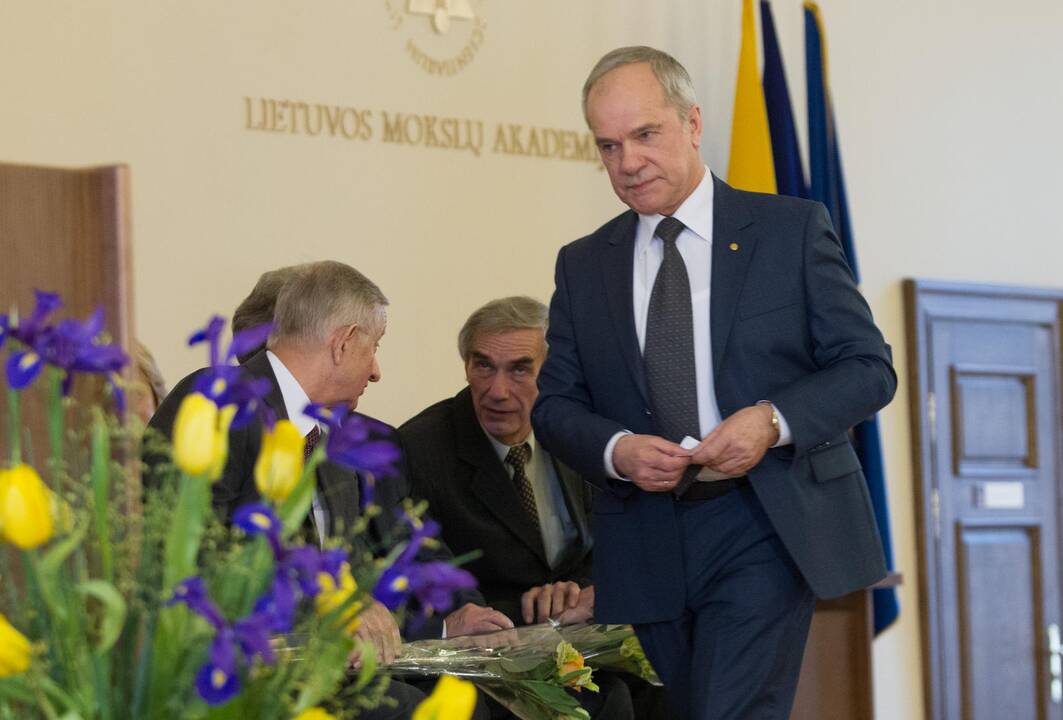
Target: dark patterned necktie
(312, 533)
(310, 442)
(517, 458)
(669, 347)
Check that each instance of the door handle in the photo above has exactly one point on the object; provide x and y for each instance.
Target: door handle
(1055, 663)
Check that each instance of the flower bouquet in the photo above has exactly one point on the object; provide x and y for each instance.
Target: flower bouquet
(528, 669)
(117, 603)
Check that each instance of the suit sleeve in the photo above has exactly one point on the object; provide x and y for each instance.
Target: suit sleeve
(563, 419)
(405, 485)
(855, 376)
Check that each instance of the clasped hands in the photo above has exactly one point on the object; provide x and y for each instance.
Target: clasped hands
(733, 448)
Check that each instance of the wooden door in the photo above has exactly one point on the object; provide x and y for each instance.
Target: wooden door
(985, 389)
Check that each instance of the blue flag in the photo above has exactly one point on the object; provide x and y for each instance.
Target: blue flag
(828, 187)
(789, 174)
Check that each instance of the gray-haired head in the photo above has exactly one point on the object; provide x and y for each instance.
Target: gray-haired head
(673, 77)
(518, 312)
(323, 296)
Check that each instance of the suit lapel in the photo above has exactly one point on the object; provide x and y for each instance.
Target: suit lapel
(733, 243)
(619, 268)
(258, 365)
(488, 478)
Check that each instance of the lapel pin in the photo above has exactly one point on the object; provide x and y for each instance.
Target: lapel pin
(733, 246)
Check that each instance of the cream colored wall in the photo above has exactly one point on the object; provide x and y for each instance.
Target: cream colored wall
(949, 115)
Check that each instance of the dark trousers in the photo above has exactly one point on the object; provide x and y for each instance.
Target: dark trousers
(735, 654)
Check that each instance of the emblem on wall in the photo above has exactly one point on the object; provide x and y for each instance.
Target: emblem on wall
(442, 36)
(442, 11)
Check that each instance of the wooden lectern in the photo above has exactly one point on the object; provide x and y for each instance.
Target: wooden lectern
(835, 681)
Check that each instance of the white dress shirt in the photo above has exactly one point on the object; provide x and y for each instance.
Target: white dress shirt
(295, 399)
(695, 246)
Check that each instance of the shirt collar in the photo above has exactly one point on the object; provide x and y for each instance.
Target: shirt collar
(502, 450)
(295, 398)
(695, 213)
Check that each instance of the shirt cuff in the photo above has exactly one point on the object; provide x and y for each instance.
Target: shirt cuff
(785, 437)
(610, 470)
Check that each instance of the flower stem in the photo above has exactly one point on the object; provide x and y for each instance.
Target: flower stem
(55, 428)
(14, 422)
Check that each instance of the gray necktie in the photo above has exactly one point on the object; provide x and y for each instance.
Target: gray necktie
(669, 348)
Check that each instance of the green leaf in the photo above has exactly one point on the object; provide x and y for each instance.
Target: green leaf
(114, 612)
(16, 688)
(51, 565)
(101, 485)
(14, 425)
(293, 510)
(186, 531)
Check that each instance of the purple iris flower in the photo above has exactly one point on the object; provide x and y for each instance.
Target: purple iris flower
(432, 584)
(259, 519)
(302, 565)
(350, 441)
(278, 605)
(193, 593)
(228, 384)
(297, 568)
(69, 345)
(252, 634)
(393, 587)
(332, 561)
(217, 681)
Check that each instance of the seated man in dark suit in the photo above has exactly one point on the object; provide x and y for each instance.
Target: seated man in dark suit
(329, 319)
(491, 487)
(494, 489)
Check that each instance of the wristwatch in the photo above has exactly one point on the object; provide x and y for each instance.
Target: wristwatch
(774, 416)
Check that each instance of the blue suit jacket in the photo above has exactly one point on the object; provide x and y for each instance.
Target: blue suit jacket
(787, 325)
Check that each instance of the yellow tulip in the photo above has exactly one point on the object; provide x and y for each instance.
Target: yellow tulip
(452, 699)
(25, 508)
(332, 596)
(314, 713)
(14, 649)
(221, 442)
(201, 436)
(280, 461)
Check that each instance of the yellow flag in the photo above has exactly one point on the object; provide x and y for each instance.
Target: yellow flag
(751, 166)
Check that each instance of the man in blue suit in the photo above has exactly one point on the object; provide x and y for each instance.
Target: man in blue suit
(708, 353)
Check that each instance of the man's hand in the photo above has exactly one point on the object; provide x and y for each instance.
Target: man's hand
(472, 619)
(739, 442)
(547, 601)
(584, 610)
(377, 627)
(652, 463)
